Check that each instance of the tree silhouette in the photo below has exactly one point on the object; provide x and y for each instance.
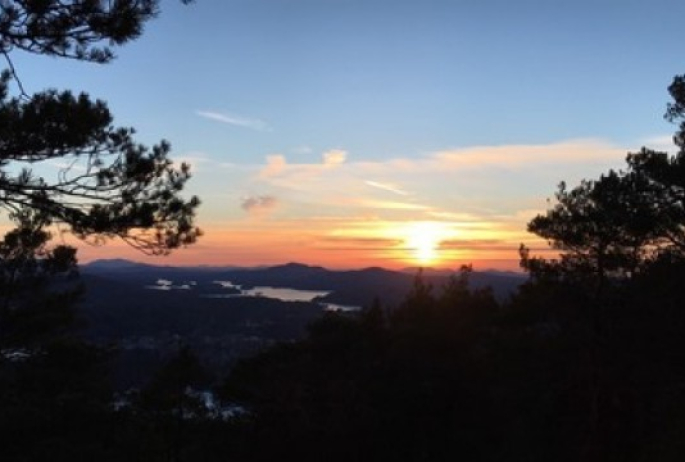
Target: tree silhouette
(621, 240)
(28, 312)
(602, 228)
(617, 224)
(665, 173)
(54, 396)
(111, 185)
(51, 381)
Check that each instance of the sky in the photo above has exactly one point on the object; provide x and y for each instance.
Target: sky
(355, 133)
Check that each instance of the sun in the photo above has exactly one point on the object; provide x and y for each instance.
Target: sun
(423, 239)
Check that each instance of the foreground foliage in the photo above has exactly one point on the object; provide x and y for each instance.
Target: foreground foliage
(108, 185)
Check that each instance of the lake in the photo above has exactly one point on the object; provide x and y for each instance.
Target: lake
(284, 294)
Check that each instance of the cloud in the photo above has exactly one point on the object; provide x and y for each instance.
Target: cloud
(392, 205)
(258, 203)
(278, 167)
(522, 156)
(579, 155)
(357, 243)
(387, 187)
(482, 192)
(334, 157)
(275, 165)
(480, 244)
(235, 120)
(468, 178)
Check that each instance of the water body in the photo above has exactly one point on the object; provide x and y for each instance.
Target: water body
(340, 308)
(284, 294)
(166, 284)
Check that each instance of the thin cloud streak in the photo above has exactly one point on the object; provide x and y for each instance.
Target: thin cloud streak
(235, 120)
(387, 187)
(392, 205)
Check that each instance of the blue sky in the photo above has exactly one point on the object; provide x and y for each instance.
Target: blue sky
(309, 121)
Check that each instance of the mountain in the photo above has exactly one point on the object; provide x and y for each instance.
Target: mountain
(352, 287)
(114, 264)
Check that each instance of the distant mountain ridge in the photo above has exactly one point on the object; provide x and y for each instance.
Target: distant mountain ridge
(356, 287)
(122, 263)
(113, 264)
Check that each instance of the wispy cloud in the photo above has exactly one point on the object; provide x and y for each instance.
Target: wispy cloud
(277, 167)
(258, 203)
(392, 205)
(194, 160)
(387, 187)
(574, 153)
(235, 120)
(334, 157)
(523, 156)
(469, 178)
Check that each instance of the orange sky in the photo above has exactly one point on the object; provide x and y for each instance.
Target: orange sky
(440, 209)
(389, 245)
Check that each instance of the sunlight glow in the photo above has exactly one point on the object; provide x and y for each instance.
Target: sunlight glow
(424, 238)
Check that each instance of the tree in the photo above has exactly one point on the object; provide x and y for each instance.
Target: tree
(112, 186)
(665, 173)
(603, 227)
(621, 240)
(53, 393)
(617, 224)
(29, 313)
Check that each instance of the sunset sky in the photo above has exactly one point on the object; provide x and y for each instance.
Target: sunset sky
(352, 133)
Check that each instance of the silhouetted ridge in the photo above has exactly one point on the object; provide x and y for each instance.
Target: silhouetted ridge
(293, 266)
(374, 269)
(114, 264)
